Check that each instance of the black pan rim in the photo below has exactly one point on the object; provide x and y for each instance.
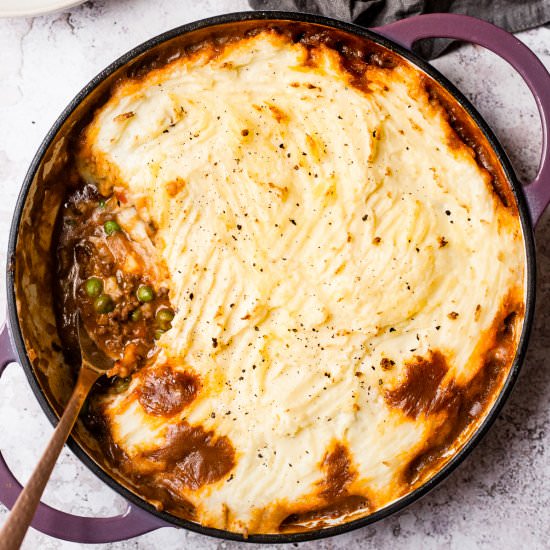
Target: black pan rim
(526, 225)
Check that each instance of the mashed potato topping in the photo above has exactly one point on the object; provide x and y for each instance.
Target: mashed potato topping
(347, 285)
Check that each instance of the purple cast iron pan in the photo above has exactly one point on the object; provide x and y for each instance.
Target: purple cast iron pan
(140, 517)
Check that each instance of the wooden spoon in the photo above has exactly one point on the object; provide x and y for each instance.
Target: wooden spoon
(94, 364)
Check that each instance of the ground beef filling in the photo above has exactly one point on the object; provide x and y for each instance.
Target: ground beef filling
(102, 275)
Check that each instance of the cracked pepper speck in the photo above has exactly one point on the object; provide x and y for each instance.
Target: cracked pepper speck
(498, 499)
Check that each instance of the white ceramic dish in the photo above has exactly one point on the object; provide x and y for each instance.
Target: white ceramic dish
(28, 8)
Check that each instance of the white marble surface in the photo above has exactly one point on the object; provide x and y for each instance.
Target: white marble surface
(498, 499)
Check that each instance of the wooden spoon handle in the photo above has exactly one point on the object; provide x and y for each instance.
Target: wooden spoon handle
(13, 531)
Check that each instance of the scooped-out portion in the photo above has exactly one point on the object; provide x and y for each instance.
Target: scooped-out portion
(309, 271)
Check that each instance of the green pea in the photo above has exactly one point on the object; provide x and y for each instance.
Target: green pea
(164, 316)
(101, 203)
(111, 226)
(145, 293)
(104, 304)
(158, 333)
(93, 287)
(121, 384)
(136, 315)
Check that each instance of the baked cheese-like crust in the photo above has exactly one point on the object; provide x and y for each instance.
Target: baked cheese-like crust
(342, 271)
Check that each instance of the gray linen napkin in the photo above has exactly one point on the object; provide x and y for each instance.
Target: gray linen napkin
(512, 15)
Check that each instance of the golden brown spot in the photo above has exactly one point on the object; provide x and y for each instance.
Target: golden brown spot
(455, 143)
(339, 472)
(192, 457)
(175, 187)
(124, 116)
(420, 390)
(282, 192)
(334, 490)
(165, 392)
(244, 132)
(314, 146)
(387, 364)
(278, 114)
(415, 126)
(442, 242)
(142, 202)
(477, 312)
(453, 315)
(376, 240)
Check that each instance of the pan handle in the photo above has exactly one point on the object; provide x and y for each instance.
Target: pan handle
(7, 352)
(463, 27)
(133, 522)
